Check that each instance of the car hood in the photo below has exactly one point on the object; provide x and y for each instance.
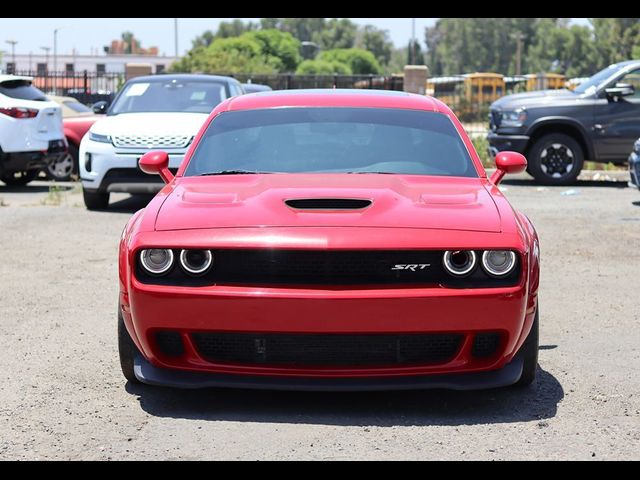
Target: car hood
(155, 123)
(533, 99)
(407, 201)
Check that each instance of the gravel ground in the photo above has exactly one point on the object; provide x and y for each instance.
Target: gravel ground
(63, 396)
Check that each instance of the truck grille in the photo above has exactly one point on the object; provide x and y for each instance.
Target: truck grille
(316, 350)
(495, 117)
(151, 141)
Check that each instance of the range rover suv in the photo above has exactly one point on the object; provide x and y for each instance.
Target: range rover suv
(557, 130)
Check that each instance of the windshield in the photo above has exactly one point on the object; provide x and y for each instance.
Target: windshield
(169, 96)
(332, 140)
(21, 89)
(590, 85)
(77, 107)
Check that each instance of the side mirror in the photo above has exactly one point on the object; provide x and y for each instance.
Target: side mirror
(508, 162)
(156, 162)
(620, 90)
(100, 107)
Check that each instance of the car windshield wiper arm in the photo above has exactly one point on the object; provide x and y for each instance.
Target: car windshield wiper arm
(233, 172)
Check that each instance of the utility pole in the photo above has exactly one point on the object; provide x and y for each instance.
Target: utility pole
(46, 68)
(175, 34)
(413, 41)
(519, 36)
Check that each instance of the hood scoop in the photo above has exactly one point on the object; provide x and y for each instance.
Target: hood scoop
(328, 203)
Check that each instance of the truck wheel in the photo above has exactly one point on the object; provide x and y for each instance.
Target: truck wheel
(555, 159)
(95, 200)
(64, 166)
(127, 350)
(19, 179)
(529, 352)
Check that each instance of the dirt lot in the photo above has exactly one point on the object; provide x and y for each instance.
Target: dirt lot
(63, 396)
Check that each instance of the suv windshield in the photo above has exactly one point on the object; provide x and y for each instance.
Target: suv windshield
(332, 140)
(169, 96)
(590, 85)
(21, 89)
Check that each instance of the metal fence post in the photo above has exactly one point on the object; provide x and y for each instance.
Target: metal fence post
(85, 78)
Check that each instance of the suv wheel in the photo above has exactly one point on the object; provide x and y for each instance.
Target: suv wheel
(19, 179)
(95, 200)
(555, 159)
(64, 166)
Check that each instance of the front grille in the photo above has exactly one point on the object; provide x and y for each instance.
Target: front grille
(495, 117)
(316, 350)
(151, 141)
(132, 175)
(327, 267)
(170, 343)
(485, 345)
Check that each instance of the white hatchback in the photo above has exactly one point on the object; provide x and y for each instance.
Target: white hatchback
(31, 132)
(153, 112)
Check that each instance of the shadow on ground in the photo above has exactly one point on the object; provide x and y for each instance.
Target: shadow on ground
(385, 409)
(35, 188)
(579, 184)
(130, 204)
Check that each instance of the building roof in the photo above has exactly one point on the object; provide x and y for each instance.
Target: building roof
(336, 98)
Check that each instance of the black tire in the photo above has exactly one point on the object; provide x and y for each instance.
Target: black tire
(95, 200)
(529, 353)
(65, 167)
(127, 350)
(19, 179)
(555, 159)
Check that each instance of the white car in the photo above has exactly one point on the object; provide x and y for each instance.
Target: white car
(31, 133)
(152, 112)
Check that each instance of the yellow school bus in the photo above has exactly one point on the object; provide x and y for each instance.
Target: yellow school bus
(545, 81)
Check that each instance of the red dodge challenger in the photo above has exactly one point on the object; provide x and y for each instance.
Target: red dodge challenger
(329, 240)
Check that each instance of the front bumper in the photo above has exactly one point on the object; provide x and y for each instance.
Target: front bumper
(104, 168)
(513, 143)
(145, 372)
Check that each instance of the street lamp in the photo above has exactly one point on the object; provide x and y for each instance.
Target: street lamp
(13, 52)
(46, 67)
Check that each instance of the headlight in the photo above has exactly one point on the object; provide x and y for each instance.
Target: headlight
(156, 261)
(196, 262)
(96, 137)
(513, 118)
(459, 262)
(498, 263)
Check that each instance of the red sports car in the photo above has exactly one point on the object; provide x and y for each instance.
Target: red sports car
(330, 240)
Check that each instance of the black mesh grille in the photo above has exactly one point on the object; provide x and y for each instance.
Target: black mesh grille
(170, 343)
(327, 350)
(328, 203)
(485, 344)
(328, 267)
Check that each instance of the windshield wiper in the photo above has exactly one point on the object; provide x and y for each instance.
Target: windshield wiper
(233, 172)
(371, 172)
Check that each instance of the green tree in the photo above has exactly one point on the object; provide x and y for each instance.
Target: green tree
(377, 42)
(234, 28)
(323, 67)
(359, 61)
(615, 39)
(414, 53)
(203, 40)
(281, 45)
(336, 33)
(303, 29)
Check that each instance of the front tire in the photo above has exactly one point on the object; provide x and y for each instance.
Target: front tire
(555, 159)
(529, 352)
(127, 350)
(95, 200)
(19, 179)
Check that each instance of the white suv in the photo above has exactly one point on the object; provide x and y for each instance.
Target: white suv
(31, 133)
(152, 112)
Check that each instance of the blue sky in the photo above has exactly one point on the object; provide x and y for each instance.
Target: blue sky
(85, 34)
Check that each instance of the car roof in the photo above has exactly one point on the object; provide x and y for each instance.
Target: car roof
(336, 98)
(625, 64)
(8, 78)
(185, 77)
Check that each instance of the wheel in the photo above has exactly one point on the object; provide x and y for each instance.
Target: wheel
(65, 166)
(555, 159)
(19, 179)
(127, 350)
(95, 200)
(529, 352)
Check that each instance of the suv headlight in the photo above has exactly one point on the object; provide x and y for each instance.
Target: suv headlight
(96, 137)
(513, 118)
